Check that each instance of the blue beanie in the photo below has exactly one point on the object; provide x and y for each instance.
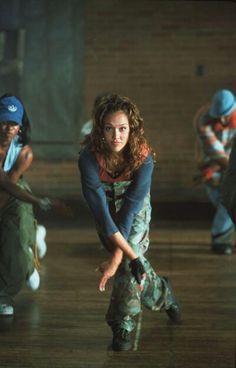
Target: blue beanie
(223, 103)
(11, 109)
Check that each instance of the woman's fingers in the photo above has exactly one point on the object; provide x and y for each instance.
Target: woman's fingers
(107, 269)
(104, 278)
(102, 283)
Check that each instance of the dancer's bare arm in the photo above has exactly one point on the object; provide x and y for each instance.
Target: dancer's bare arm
(8, 181)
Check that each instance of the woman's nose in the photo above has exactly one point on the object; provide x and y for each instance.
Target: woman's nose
(115, 133)
(9, 127)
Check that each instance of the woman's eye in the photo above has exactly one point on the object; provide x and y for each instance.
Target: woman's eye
(107, 129)
(123, 129)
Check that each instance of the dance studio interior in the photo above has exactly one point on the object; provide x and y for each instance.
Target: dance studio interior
(170, 58)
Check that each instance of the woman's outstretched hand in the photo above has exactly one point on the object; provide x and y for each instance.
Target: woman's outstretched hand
(107, 269)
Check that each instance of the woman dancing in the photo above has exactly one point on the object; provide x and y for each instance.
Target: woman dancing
(116, 165)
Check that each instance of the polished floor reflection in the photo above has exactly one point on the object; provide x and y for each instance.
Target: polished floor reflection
(62, 324)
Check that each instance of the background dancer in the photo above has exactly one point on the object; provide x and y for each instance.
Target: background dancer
(216, 127)
(17, 223)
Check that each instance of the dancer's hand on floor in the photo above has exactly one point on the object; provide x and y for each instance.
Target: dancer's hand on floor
(107, 269)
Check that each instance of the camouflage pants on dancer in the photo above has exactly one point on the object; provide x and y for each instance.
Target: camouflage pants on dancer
(17, 235)
(126, 298)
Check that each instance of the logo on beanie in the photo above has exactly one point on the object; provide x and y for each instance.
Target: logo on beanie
(12, 108)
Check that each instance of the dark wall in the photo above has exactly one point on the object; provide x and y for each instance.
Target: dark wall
(49, 52)
(169, 57)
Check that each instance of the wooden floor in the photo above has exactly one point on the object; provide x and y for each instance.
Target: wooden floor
(62, 324)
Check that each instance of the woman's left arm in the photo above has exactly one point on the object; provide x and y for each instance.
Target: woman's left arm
(134, 196)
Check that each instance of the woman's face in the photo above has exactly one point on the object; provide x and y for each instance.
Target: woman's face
(8, 130)
(116, 131)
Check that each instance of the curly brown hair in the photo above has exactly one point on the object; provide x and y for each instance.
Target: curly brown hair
(137, 145)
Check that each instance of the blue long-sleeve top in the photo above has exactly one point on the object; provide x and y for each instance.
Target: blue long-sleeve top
(96, 197)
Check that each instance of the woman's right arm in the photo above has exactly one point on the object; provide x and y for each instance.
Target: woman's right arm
(7, 185)
(8, 181)
(14, 190)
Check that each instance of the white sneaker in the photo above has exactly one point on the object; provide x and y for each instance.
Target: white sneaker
(6, 310)
(33, 281)
(40, 241)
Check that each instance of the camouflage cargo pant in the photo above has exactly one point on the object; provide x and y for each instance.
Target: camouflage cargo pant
(126, 298)
(17, 234)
